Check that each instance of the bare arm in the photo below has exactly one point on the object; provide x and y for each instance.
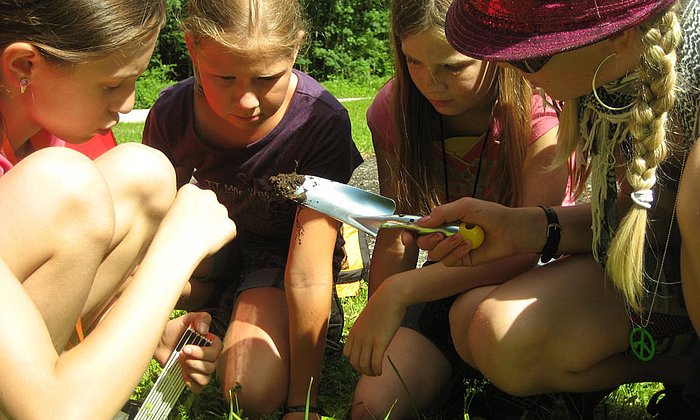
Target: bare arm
(36, 377)
(308, 287)
(688, 214)
(389, 256)
(508, 231)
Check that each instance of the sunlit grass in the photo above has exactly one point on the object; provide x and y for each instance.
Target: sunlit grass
(349, 89)
(128, 132)
(360, 132)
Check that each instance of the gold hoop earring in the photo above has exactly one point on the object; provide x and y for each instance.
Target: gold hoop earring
(23, 85)
(595, 93)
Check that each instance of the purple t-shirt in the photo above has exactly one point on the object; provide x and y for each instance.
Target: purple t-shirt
(313, 138)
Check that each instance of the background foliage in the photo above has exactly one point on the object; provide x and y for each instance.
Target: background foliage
(348, 39)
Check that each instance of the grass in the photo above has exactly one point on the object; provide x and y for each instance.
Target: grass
(360, 131)
(348, 89)
(128, 132)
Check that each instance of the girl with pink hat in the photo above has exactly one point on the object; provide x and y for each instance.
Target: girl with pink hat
(621, 306)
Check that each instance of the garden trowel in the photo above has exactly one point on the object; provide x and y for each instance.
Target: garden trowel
(365, 210)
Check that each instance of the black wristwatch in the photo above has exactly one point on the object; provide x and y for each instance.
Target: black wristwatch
(549, 251)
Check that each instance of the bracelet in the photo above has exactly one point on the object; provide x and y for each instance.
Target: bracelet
(549, 250)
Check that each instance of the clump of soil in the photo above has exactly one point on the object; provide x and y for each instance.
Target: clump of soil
(287, 185)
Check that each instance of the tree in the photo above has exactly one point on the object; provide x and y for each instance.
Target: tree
(348, 39)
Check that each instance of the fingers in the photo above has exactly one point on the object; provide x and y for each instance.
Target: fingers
(445, 213)
(219, 214)
(409, 238)
(200, 321)
(205, 217)
(348, 350)
(196, 373)
(376, 358)
(459, 256)
(428, 242)
(198, 364)
(467, 260)
(453, 251)
(366, 359)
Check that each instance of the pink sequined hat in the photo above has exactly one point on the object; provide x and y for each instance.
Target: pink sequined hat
(508, 30)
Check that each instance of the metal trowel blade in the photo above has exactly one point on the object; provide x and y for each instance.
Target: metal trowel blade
(341, 201)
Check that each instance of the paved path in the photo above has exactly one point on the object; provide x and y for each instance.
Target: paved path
(136, 115)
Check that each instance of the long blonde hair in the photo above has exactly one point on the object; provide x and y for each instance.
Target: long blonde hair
(418, 181)
(648, 130)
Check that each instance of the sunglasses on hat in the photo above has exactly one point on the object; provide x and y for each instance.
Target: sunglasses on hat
(531, 65)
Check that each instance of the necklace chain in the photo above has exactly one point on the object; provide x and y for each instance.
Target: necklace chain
(642, 322)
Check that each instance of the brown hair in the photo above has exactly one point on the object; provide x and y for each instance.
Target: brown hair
(68, 32)
(77, 31)
(417, 181)
(277, 27)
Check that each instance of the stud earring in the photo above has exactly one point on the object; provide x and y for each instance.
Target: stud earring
(23, 85)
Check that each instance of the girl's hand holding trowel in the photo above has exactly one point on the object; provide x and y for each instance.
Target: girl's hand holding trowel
(500, 226)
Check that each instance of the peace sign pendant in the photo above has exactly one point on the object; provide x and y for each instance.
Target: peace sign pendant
(642, 344)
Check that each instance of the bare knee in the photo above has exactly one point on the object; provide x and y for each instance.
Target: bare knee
(140, 174)
(371, 401)
(506, 345)
(461, 315)
(257, 388)
(71, 197)
(414, 375)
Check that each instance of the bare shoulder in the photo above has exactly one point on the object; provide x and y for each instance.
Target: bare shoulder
(688, 193)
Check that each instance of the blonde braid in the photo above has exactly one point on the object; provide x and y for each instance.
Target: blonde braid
(648, 128)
